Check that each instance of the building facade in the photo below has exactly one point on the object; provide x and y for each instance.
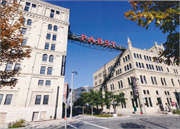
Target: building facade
(157, 83)
(77, 92)
(42, 76)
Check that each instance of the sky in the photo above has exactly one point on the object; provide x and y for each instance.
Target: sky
(105, 20)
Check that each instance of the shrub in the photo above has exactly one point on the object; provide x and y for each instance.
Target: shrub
(175, 111)
(17, 124)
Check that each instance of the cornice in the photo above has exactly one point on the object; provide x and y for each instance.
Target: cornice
(44, 18)
(49, 5)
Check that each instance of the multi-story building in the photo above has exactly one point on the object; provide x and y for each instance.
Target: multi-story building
(40, 84)
(157, 83)
(77, 92)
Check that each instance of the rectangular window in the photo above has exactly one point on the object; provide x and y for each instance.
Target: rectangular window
(23, 31)
(8, 99)
(172, 81)
(43, 68)
(52, 13)
(150, 102)
(168, 92)
(148, 92)
(1, 97)
(48, 36)
(46, 98)
(54, 37)
(157, 93)
(168, 101)
(164, 81)
(17, 67)
(49, 72)
(48, 82)
(145, 79)
(8, 67)
(33, 6)
(57, 12)
(147, 102)
(27, 6)
(165, 92)
(40, 82)
(38, 99)
(132, 103)
(46, 46)
(144, 91)
(24, 42)
(131, 93)
(53, 47)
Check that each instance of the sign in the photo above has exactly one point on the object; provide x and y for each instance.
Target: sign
(173, 103)
(98, 41)
(134, 85)
(66, 91)
(63, 65)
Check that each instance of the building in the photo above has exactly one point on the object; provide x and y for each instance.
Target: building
(157, 84)
(77, 92)
(42, 76)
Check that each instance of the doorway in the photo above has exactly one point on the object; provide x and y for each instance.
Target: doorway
(35, 116)
(160, 104)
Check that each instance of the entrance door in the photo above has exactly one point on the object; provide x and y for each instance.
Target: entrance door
(160, 104)
(35, 116)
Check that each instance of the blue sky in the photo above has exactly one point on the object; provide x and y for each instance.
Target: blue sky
(102, 19)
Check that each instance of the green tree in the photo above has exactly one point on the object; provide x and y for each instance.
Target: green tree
(98, 99)
(12, 48)
(108, 98)
(120, 99)
(84, 99)
(165, 15)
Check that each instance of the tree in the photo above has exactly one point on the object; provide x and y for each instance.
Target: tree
(165, 15)
(108, 98)
(120, 99)
(12, 48)
(98, 99)
(84, 99)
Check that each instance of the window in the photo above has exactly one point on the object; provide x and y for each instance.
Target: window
(131, 93)
(146, 102)
(156, 68)
(49, 72)
(121, 84)
(57, 12)
(40, 82)
(52, 13)
(145, 79)
(48, 82)
(46, 46)
(161, 68)
(179, 82)
(129, 81)
(140, 56)
(150, 58)
(8, 67)
(134, 55)
(152, 67)
(48, 36)
(125, 68)
(38, 99)
(165, 92)
(144, 91)
(23, 31)
(152, 80)
(46, 98)
(157, 93)
(168, 101)
(137, 56)
(172, 81)
(43, 68)
(142, 65)
(162, 81)
(3, 2)
(8, 99)
(139, 65)
(44, 57)
(17, 67)
(147, 58)
(29, 22)
(54, 37)
(24, 42)
(27, 6)
(150, 102)
(33, 6)
(147, 66)
(168, 92)
(1, 97)
(128, 57)
(123, 60)
(144, 57)
(155, 80)
(132, 102)
(49, 27)
(51, 58)
(136, 64)
(148, 92)
(55, 28)
(141, 78)
(130, 65)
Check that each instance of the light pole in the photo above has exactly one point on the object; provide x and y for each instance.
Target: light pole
(72, 91)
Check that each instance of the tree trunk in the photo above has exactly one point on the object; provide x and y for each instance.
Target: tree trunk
(83, 110)
(92, 110)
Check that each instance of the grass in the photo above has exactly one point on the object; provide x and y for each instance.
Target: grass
(17, 124)
(175, 111)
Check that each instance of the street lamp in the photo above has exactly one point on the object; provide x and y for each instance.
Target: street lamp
(72, 90)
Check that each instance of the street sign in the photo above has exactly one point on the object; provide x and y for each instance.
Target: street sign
(173, 103)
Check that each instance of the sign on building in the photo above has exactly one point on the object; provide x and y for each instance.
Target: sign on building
(134, 85)
(63, 65)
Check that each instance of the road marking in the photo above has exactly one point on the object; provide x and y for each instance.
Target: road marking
(95, 125)
(73, 126)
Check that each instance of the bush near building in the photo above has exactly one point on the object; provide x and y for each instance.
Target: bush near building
(17, 124)
(176, 111)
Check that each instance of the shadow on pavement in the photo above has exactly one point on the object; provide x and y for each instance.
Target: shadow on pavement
(131, 125)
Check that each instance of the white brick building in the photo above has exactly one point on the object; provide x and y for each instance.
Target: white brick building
(34, 97)
(158, 82)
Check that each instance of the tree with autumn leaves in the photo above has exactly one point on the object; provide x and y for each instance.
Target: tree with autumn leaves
(12, 48)
(165, 15)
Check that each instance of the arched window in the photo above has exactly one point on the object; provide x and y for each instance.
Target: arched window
(51, 57)
(44, 57)
(140, 56)
(136, 64)
(123, 60)
(55, 28)
(149, 66)
(152, 80)
(129, 81)
(141, 78)
(49, 27)
(155, 80)
(120, 70)
(150, 58)
(139, 65)
(135, 55)
(119, 84)
(142, 65)
(130, 65)
(152, 67)
(127, 67)
(144, 57)
(29, 22)
(128, 57)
